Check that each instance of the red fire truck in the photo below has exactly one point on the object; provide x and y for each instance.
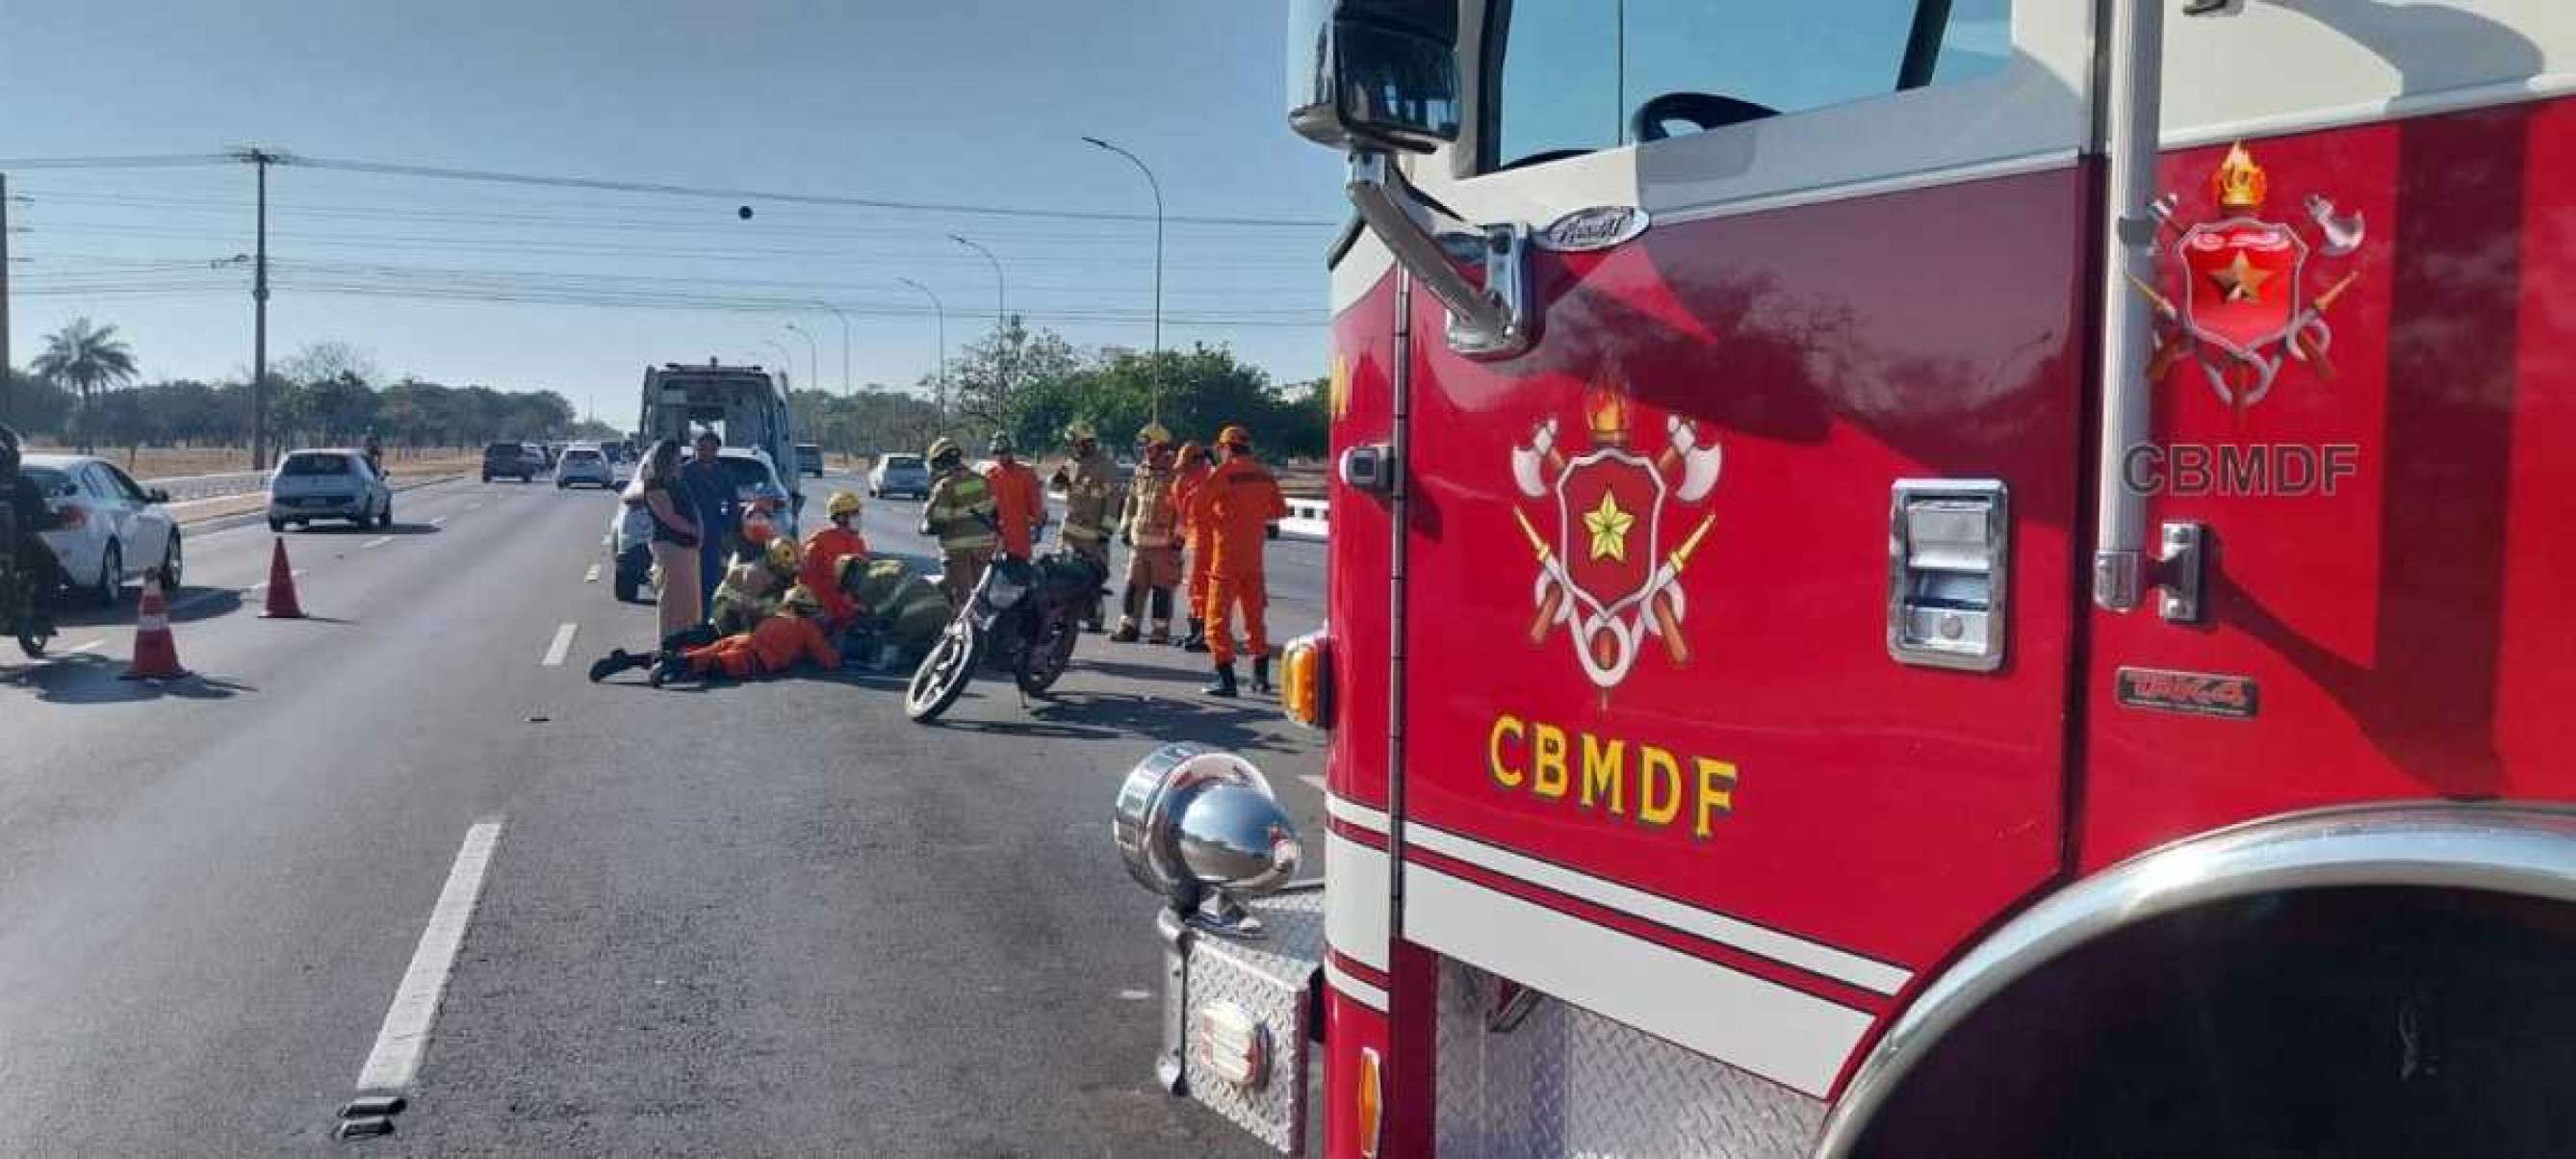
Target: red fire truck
(1921, 577)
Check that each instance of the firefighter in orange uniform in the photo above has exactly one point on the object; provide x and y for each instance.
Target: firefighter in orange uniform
(1191, 471)
(777, 645)
(1019, 500)
(824, 551)
(1242, 498)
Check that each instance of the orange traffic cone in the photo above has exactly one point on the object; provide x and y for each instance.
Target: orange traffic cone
(156, 654)
(281, 587)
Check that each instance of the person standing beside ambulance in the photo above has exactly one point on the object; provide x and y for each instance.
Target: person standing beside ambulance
(1241, 498)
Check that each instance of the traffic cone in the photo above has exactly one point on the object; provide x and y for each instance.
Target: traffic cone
(281, 587)
(156, 654)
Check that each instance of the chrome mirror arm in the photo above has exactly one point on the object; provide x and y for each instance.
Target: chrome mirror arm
(1494, 320)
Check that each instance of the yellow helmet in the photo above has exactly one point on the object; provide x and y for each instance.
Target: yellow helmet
(1153, 435)
(843, 503)
(1234, 436)
(1080, 429)
(800, 600)
(782, 554)
(943, 445)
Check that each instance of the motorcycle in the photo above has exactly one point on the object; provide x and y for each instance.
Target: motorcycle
(18, 594)
(1023, 617)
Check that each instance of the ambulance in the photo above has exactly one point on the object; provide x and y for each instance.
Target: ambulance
(1919, 578)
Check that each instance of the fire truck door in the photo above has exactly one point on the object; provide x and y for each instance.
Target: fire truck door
(1740, 600)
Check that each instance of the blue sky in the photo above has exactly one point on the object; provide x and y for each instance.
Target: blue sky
(966, 101)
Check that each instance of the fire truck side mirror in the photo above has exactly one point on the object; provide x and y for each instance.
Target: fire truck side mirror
(1381, 73)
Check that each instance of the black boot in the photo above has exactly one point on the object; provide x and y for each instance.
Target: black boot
(618, 660)
(1196, 641)
(1224, 684)
(1261, 674)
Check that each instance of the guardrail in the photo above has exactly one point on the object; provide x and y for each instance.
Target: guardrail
(1307, 519)
(209, 486)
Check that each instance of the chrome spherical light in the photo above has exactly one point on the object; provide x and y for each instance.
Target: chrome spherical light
(1189, 817)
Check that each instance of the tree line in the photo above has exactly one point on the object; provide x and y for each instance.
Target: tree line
(81, 391)
(1034, 384)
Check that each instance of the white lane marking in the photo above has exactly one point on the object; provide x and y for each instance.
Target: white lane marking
(563, 644)
(297, 573)
(441, 521)
(395, 1061)
(378, 541)
(1312, 779)
(472, 506)
(591, 576)
(85, 647)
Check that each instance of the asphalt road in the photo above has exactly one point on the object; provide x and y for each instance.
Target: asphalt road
(760, 919)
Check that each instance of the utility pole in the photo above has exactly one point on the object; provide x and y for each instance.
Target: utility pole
(259, 161)
(7, 376)
(939, 378)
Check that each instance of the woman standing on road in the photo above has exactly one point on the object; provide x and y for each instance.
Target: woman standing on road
(675, 535)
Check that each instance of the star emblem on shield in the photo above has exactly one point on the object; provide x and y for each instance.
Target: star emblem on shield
(2243, 310)
(1605, 575)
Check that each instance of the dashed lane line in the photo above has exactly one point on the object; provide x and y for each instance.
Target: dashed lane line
(395, 1061)
(562, 645)
(441, 521)
(378, 541)
(591, 576)
(85, 647)
(1312, 779)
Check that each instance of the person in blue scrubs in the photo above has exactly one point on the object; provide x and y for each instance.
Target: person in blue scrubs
(719, 511)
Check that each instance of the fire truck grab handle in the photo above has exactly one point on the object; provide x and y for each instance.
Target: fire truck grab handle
(2132, 46)
(1495, 320)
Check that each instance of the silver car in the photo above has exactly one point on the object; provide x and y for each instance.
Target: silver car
(896, 473)
(584, 463)
(334, 483)
(113, 528)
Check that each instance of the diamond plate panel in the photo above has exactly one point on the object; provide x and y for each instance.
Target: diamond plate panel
(1566, 1081)
(1270, 979)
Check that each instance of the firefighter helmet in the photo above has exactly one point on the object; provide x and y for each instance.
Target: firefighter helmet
(941, 448)
(1080, 430)
(1153, 435)
(782, 554)
(1001, 444)
(843, 503)
(800, 600)
(1191, 452)
(1234, 436)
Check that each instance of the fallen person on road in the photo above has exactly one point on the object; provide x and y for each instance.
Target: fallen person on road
(900, 614)
(777, 646)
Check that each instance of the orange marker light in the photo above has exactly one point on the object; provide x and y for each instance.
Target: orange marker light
(1303, 692)
(1372, 1103)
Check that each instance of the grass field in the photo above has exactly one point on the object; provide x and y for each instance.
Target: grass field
(176, 462)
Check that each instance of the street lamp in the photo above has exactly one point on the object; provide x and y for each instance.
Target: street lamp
(1157, 187)
(786, 357)
(1001, 313)
(845, 342)
(813, 354)
(939, 380)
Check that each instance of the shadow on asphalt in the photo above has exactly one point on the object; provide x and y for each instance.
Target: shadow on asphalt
(83, 678)
(1181, 671)
(187, 605)
(371, 532)
(1161, 719)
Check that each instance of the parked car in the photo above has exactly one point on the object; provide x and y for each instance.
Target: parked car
(582, 463)
(896, 473)
(756, 481)
(809, 459)
(512, 461)
(328, 483)
(113, 527)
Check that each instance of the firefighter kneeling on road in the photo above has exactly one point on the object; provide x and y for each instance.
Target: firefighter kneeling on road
(960, 514)
(1150, 526)
(793, 635)
(900, 614)
(824, 551)
(1241, 499)
(753, 584)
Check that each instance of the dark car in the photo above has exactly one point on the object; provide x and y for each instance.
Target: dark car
(809, 459)
(512, 461)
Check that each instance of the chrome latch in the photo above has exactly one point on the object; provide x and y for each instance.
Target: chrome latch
(2179, 568)
(1948, 553)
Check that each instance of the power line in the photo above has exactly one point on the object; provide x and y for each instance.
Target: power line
(139, 161)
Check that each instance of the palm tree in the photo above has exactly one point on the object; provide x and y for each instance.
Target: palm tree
(89, 358)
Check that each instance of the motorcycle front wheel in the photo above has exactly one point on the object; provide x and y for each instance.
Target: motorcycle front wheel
(1046, 658)
(944, 673)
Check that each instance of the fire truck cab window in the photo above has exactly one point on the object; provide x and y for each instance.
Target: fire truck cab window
(1566, 77)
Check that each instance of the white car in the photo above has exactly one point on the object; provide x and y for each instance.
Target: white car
(328, 483)
(112, 529)
(899, 473)
(584, 463)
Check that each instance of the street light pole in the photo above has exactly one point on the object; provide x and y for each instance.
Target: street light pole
(1157, 187)
(813, 354)
(786, 358)
(845, 342)
(939, 378)
(1001, 315)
